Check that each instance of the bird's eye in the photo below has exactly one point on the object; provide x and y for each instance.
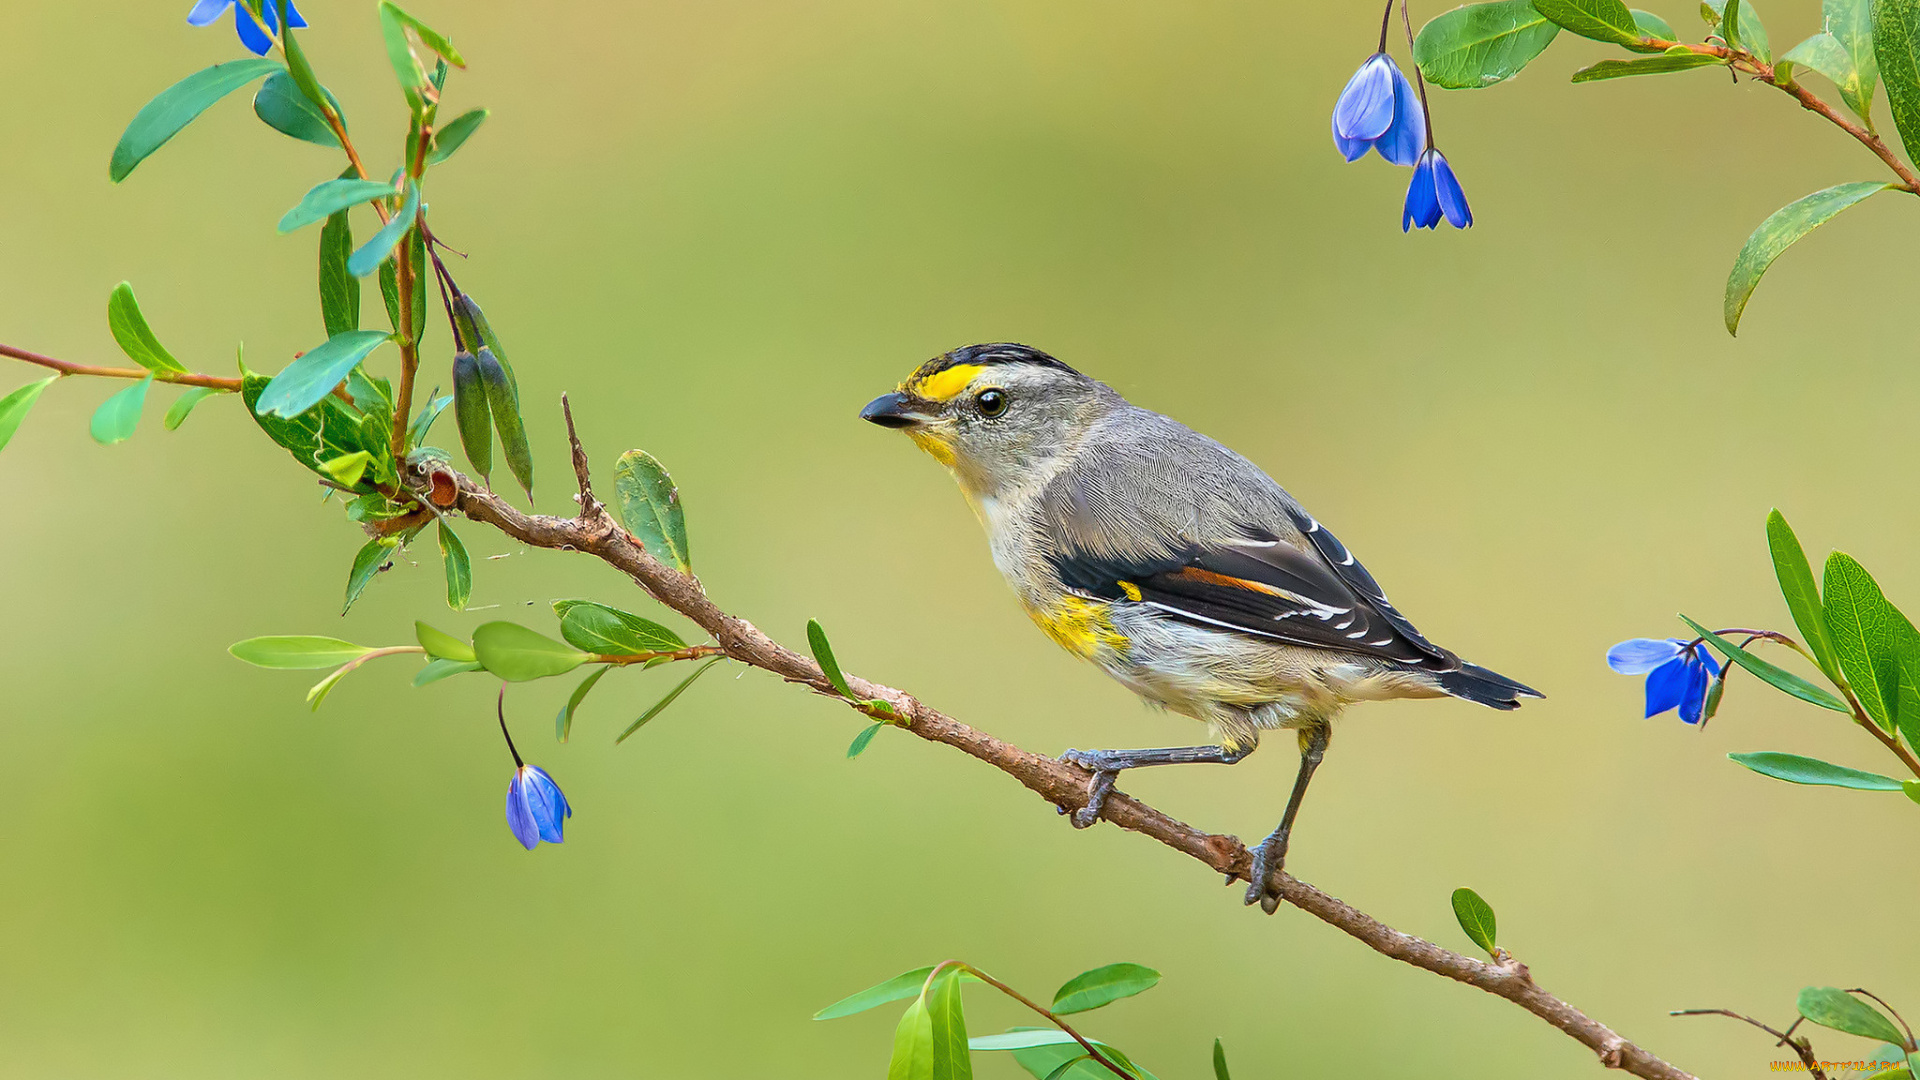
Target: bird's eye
(992, 403)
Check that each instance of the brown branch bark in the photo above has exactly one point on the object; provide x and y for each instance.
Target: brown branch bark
(596, 533)
(67, 367)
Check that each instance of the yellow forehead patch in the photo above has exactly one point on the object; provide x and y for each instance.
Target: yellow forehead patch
(946, 385)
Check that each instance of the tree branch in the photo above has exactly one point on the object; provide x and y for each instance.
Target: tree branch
(67, 367)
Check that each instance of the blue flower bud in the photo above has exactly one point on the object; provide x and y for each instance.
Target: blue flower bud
(1379, 110)
(536, 810)
(1433, 193)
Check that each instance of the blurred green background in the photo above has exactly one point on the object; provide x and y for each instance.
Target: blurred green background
(722, 228)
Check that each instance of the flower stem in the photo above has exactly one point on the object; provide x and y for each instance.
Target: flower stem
(501, 709)
(1419, 80)
(1386, 20)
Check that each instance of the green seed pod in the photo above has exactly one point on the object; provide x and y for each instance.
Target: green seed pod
(505, 404)
(471, 309)
(470, 411)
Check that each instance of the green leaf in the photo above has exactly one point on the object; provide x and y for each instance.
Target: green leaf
(117, 416)
(183, 405)
(1802, 595)
(1102, 986)
(1066, 1067)
(563, 724)
(318, 692)
(1060, 1061)
(453, 558)
(14, 407)
(1475, 917)
(1482, 44)
(406, 63)
(1220, 1062)
(1823, 53)
(332, 429)
(1850, 22)
(504, 404)
(598, 628)
(370, 560)
(895, 989)
(445, 669)
(1834, 1008)
(308, 380)
(454, 134)
(1912, 788)
(650, 508)
(324, 200)
(1649, 65)
(1896, 49)
(1653, 25)
(518, 654)
(1776, 677)
(1862, 629)
(1025, 1038)
(859, 744)
(177, 106)
(1893, 1053)
(912, 1044)
(347, 468)
(423, 420)
(947, 1013)
(470, 411)
(1780, 230)
(133, 335)
(441, 645)
(297, 652)
(375, 251)
(429, 37)
(823, 655)
(282, 106)
(1795, 769)
(661, 705)
(339, 290)
(1601, 20)
(1745, 30)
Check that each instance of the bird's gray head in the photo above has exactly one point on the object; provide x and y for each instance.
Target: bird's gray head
(997, 415)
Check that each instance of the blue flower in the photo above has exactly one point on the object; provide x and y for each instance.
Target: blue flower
(536, 810)
(1432, 193)
(251, 34)
(1677, 673)
(1379, 110)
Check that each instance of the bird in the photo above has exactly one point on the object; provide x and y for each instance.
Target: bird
(1175, 565)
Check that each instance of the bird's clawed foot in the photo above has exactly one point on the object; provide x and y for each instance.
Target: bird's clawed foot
(1105, 770)
(1269, 857)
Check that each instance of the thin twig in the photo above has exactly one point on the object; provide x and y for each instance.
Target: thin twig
(1803, 1047)
(1085, 1043)
(67, 367)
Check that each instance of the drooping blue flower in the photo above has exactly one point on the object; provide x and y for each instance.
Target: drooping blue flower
(1677, 672)
(1379, 110)
(1434, 193)
(251, 34)
(536, 810)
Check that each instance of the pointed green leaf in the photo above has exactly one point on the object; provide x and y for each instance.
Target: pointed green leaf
(441, 645)
(895, 989)
(423, 420)
(1795, 769)
(282, 106)
(133, 335)
(1834, 1008)
(504, 405)
(14, 407)
(184, 404)
(347, 469)
(1475, 917)
(1850, 22)
(1823, 53)
(1220, 1062)
(1746, 30)
(1776, 677)
(304, 383)
(370, 560)
(326, 199)
(823, 655)
(339, 290)
(1482, 44)
(661, 705)
(454, 133)
(177, 106)
(859, 744)
(912, 1044)
(318, 692)
(1912, 788)
(445, 669)
(1802, 595)
(1648, 65)
(1653, 25)
(375, 251)
(1779, 232)
(1025, 1038)
(429, 37)
(1862, 631)
(297, 652)
(1102, 986)
(598, 628)
(1060, 1061)
(406, 63)
(117, 416)
(650, 508)
(563, 724)
(947, 1014)
(1896, 49)
(518, 654)
(1601, 20)
(326, 431)
(453, 557)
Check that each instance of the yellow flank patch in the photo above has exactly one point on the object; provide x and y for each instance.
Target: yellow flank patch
(1081, 627)
(945, 385)
(1132, 590)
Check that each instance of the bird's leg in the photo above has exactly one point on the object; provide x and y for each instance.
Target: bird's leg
(1271, 855)
(1107, 764)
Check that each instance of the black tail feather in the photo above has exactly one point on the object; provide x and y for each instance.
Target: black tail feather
(1492, 689)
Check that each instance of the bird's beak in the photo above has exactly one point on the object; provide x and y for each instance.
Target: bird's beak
(893, 411)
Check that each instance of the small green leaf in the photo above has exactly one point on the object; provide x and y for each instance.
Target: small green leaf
(1858, 620)
(1802, 595)
(1834, 1008)
(668, 700)
(504, 405)
(133, 335)
(1220, 1062)
(1648, 65)
(947, 1014)
(912, 1044)
(375, 251)
(1475, 917)
(282, 106)
(318, 692)
(304, 383)
(823, 655)
(518, 654)
(1742, 27)
(1779, 232)
(14, 407)
(1060, 1061)
(563, 724)
(326, 431)
(324, 200)
(177, 106)
(470, 411)
(1896, 49)
(1776, 677)
(423, 420)
(441, 645)
(1482, 44)
(1912, 788)
(1823, 53)
(297, 652)
(650, 508)
(117, 416)
(859, 744)
(453, 558)
(1653, 25)
(1850, 22)
(1601, 20)
(183, 405)
(598, 628)
(454, 133)
(1066, 1067)
(445, 669)
(339, 290)
(895, 989)
(1795, 769)
(347, 468)
(429, 37)
(1103, 986)
(1023, 1039)
(370, 560)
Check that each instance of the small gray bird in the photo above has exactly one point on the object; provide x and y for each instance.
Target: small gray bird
(1171, 562)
